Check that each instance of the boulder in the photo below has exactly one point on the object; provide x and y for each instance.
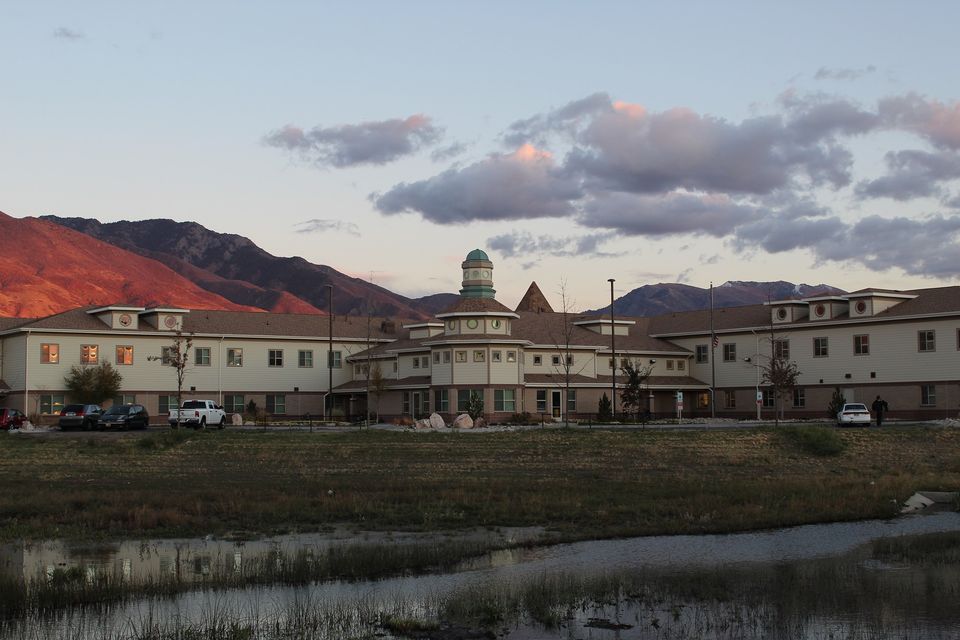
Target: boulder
(422, 423)
(479, 423)
(236, 420)
(463, 421)
(436, 421)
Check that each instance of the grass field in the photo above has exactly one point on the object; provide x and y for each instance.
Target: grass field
(577, 483)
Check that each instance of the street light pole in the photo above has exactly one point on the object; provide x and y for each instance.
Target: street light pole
(329, 415)
(613, 353)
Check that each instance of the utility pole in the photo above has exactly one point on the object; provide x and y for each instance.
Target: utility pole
(329, 415)
(613, 353)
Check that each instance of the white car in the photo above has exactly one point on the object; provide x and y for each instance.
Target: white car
(854, 413)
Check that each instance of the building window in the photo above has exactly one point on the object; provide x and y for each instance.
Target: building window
(305, 359)
(861, 345)
(681, 365)
(729, 352)
(781, 349)
(167, 356)
(124, 398)
(51, 403)
(50, 353)
(274, 357)
(442, 400)
(425, 362)
(511, 356)
(334, 359)
(405, 409)
(463, 398)
(572, 400)
(234, 357)
(820, 348)
(504, 400)
(234, 403)
(928, 395)
(495, 356)
(538, 360)
(394, 363)
(446, 357)
(799, 397)
(124, 354)
(768, 398)
(479, 355)
(436, 357)
(461, 356)
(703, 399)
(541, 400)
(201, 356)
(702, 354)
(276, 404)
(926, 340)
(729, 399)
(416, 362)
(555, 361)
(165, 403)
(669, 365)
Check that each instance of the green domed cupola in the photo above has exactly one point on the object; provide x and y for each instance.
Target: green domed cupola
(477, 276)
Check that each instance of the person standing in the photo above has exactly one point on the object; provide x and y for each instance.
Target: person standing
(879, 407)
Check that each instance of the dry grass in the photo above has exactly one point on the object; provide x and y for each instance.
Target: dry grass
(578, 483)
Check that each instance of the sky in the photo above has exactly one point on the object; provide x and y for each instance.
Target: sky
(690, 142)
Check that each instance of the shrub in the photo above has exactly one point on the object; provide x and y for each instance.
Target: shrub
(523, 418)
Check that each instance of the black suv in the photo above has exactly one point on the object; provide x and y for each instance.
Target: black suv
(80, 416)
(124, 416)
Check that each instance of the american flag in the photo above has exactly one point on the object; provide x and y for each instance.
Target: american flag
(716, 341)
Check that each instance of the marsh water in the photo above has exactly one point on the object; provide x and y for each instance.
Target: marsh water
(816, 581)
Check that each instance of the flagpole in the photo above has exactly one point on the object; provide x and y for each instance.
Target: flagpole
(713, 361)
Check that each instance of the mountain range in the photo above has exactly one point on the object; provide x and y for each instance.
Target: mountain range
(54, 264)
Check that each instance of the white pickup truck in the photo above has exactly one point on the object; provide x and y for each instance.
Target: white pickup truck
(198, 414)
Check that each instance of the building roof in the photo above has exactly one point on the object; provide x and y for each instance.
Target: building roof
(478, 254)
(360, 385)
(534, 300)
(672, 382)
(475, 305)
(207, 322)
(548, 329)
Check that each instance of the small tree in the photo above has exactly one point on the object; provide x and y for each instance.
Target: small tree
(604, 410)
(781, 376)
(177, 355)
(93, 384)
(475, 406)
(563, 340)
(836, 403)
(378, 386)
(632, 398)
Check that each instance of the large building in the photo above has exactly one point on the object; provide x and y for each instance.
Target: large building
(903, 345)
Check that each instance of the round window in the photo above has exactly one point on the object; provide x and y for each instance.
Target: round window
(782, 314)
(495, 324)
(861, 306)
(451, 324)
(124, 319)
(472, 323)
(170, 322)
(819, 310)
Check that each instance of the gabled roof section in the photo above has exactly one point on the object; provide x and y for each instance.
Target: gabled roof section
(476, 305)
(534, 300)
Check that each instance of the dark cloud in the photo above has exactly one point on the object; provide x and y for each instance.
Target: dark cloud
(523, 184)
(671, 214)
(776, 232)
(537, 129)
(952, 202)
(825, 73)
(937, 122)
(525, 244)
(357, 144)
(320, 225)
(65, 33)
(927, 247)
(912, 174)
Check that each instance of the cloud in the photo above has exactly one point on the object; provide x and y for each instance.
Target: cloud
(525, 244)
(65, 33)
(350, 145)
(448, 152)
(937, 122)
(320, 225)
(523, 184)
(825, 73)
(912, 174)
(669, 214)
(928, 247)
(536, 129)
(778, 233)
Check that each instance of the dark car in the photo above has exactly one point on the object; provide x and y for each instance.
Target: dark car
(11, 419)
(80, 416)
(124, 416)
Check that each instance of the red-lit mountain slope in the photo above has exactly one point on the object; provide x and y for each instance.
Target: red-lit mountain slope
(46, 268)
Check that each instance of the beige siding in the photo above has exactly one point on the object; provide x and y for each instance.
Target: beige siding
(469, 373)
(14, 361)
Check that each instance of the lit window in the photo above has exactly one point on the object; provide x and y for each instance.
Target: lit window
(124, 354)
(234, 357)
(89, 353)
(50, 353)
(51, 403)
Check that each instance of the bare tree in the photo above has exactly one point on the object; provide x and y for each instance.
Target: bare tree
(779, 373)
(377, 386)
(177, 355)
(563, 341)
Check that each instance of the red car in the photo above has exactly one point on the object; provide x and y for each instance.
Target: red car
(11, 419)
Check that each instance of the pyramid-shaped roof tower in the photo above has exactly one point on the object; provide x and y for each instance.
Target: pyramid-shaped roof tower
(534, 300)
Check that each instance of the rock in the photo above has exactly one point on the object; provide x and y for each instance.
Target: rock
(463, 421)
(436, 421)
(479, 423)
(423, 423)
(236, 420)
